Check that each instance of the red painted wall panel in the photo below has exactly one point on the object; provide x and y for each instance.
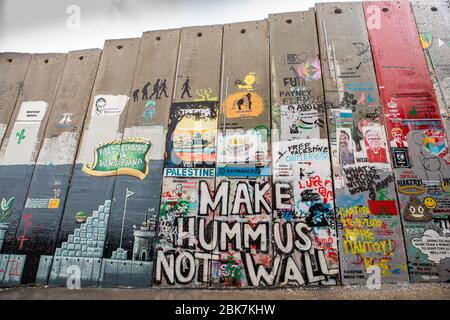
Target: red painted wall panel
(402, 72)
(417, 138)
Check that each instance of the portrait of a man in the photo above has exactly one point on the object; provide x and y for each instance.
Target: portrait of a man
(100, 106)
(346, 155)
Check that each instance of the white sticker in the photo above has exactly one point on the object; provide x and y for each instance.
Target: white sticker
(32, 111)
(20, 148)
(108, 105)
(103, 126)
(433, 245)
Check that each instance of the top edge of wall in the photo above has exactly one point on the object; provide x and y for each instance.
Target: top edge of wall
(344, 3)
(261, 21)
(212, 26)
(274, 15)
(85, 50)
(48, 54)
(15, 53)
(121, 39)
(430, 4)
(159, 30)
(426, 2)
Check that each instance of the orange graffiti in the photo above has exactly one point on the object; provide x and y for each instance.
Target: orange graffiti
(244, 104)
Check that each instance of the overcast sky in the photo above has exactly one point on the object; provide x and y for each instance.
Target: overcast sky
(52, 25)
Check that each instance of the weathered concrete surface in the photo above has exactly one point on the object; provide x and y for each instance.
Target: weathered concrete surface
(298, 99)
(197, 87)
(114, 77)
(245, 70)
(199, 61)
(23, 138)
(433, 25)
(147, 118)
(389, 292)
(54, 165)
(243, 140)
(157, 59)
(349, 75)
(293, 46)
(13, 67)
(104, 124)
(411, 109)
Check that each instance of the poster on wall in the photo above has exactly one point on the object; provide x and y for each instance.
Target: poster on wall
(244, 148)
(191, 137)
(423, 184)
(299, 124)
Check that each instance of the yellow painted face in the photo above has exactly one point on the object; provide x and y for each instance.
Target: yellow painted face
(430, 203)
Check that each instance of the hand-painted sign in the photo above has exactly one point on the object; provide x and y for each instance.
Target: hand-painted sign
(128, 157)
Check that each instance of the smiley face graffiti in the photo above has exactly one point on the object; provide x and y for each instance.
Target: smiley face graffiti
(430, 203)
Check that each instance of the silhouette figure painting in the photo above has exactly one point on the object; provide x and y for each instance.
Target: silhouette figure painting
(135, 95)
(145, 91)
(245, 100)
(155, 89)
(163, 89)
(186, 89)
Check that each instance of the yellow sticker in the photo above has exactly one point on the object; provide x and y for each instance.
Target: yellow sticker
(53, 203)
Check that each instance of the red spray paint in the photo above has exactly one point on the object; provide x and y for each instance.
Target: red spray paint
(404, 82)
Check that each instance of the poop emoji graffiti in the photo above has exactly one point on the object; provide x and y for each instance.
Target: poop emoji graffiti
(416, 211)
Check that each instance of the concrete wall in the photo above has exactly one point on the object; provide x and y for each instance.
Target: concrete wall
(13, 67)
(304, 149)
(303, 193)
(45, 201)
(190, 158)
(91, 189)
(363, 184)
(416, 138)
(433, 26)
(147, 119)
(24, 135)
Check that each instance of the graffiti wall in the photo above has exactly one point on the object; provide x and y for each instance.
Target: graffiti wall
(129, 246)
(416, 138)
(304, 228)
(182, 256)
(44, 205)
(369, 227)
(243, 164)
(432, 24)
(84, 224)
(309, 148)
(19, 152)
